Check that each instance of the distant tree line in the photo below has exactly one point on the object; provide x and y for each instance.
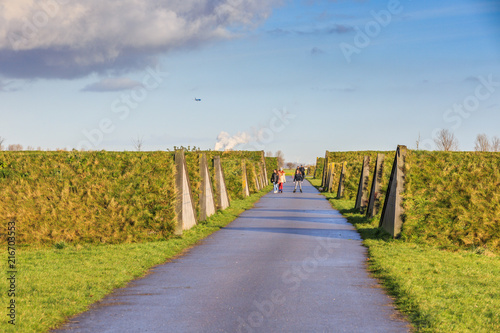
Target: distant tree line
(446, 141)
(16, 146)
(279, 155)
(483, 143)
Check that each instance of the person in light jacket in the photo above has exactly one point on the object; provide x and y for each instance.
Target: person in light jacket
(298, 178)
(281, 180)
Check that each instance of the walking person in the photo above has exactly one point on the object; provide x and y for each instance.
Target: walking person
(281, 180)
(302, 171)
(298, 178)
(274, 180)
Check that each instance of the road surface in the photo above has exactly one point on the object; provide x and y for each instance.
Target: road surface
(290, 264)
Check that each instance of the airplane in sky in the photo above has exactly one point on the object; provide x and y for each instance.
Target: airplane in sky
(197, 99)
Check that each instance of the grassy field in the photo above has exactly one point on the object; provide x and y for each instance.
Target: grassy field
(56, 283)
(440, 290)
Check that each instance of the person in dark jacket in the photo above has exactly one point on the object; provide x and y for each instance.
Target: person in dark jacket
(303, 171)
(274, 180)
(298, 178)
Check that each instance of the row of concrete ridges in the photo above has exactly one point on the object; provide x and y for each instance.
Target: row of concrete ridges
(209, 201)
(368, 197)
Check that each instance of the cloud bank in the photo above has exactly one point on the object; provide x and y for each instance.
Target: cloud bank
(70, 39)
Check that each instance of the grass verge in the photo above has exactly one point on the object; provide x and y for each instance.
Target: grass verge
(439, 290)
(59, 282)
(289, 172)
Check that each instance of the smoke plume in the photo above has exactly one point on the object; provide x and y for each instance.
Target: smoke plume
(228, 142)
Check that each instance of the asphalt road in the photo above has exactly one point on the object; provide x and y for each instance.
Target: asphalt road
(290, 264)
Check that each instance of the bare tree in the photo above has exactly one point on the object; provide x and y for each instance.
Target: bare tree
(495, 144)
(269, 154)
(482, 143)
(290, 165)
(281, 158)
(2, 140)
(418, 141)
(15, 147)
(138, 143)
(446, 141)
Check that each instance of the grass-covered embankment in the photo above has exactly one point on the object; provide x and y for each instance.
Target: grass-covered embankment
(318, 170)
(87, 197)
(104, 197)
(271, 165)
(452, 199)
(439, 290)
(58, 282)
(354, 165)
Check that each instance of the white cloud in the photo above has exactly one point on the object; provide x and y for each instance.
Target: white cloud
(66, 39)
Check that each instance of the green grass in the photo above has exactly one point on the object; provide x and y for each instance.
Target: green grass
(103, 197)
(56, 283)
(452, 200)
(87, 197)
(354, 165)
(271, 164)
(439, 290)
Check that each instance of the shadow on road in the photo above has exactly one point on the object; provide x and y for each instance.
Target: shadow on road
(328, 220)
(327, 233)
(296, 197)
(330, 212)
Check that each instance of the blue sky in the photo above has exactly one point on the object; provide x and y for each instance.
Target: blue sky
(297, 76)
